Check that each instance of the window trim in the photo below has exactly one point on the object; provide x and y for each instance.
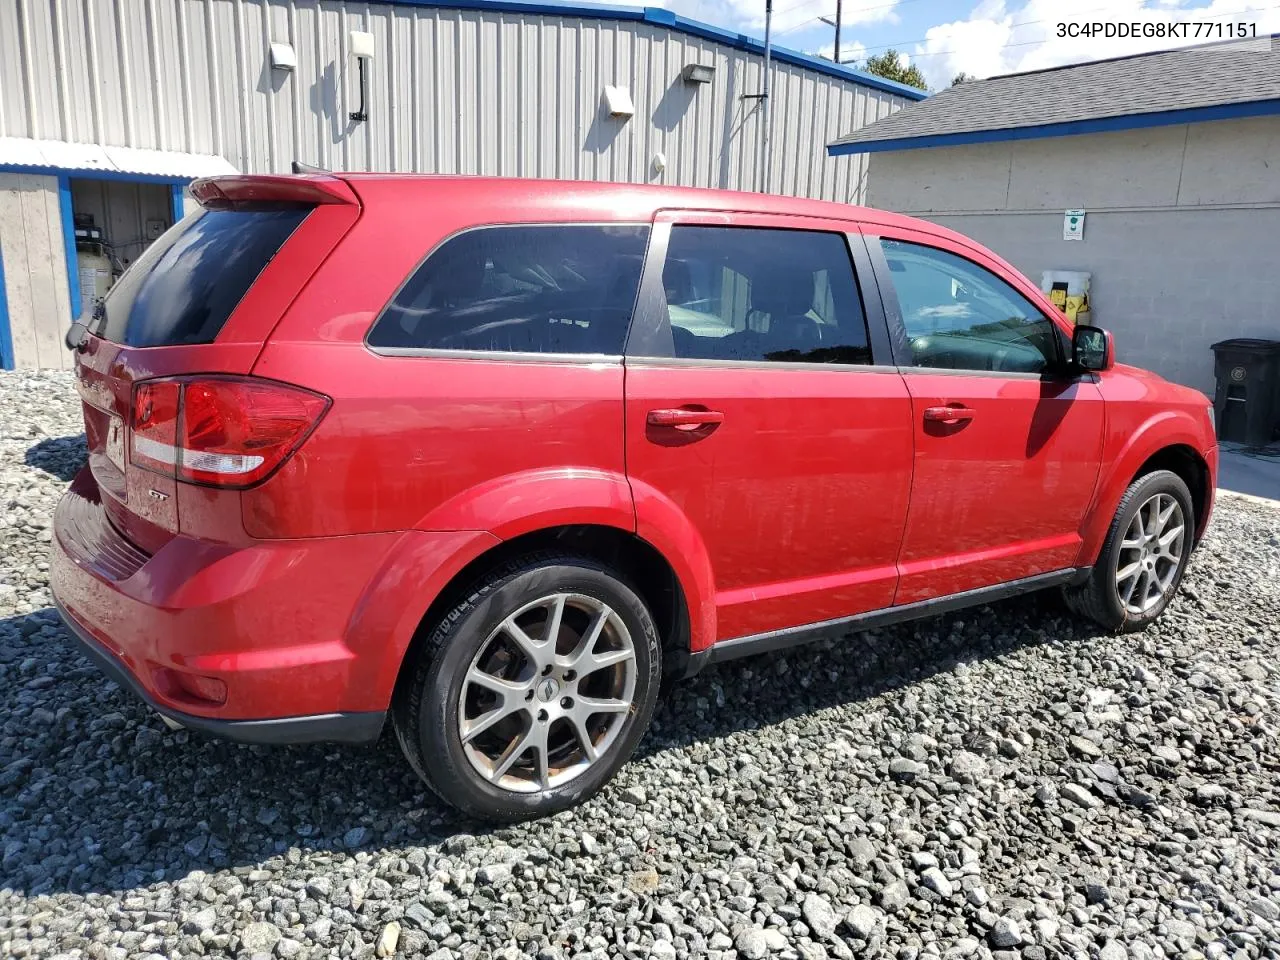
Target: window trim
(649, 320)
(1056, 369)
(511, 356)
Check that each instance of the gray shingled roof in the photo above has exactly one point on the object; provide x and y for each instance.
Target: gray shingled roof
(1204, 76)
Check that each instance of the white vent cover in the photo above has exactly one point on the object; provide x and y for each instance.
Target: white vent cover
(618, 100)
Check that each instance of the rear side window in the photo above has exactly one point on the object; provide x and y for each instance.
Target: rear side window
(762, 294)
(525, 289)
(187, 283)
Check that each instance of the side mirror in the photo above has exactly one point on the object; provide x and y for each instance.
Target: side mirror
(1092, 348)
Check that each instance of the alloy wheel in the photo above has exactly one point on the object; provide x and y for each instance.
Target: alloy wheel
(1150, 555)
(547, 693)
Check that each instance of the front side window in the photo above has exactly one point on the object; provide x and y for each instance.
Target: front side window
(527, 289)
(958, 315)
(758, 294)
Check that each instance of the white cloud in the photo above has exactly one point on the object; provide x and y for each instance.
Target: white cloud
(850, 51)
(1003, 37)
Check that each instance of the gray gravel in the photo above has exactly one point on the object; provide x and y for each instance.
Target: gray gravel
(1002, 783)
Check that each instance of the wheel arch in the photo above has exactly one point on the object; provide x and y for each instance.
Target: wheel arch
(1162, 443)
(635, 559)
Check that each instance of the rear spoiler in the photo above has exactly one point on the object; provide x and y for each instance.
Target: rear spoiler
(235, 192)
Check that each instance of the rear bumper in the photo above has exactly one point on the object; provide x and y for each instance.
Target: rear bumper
(266, 623)
(317, 728)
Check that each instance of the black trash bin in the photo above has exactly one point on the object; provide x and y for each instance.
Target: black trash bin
(1247, 400)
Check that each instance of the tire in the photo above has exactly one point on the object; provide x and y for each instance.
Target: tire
(1126, 604)
(486, 683)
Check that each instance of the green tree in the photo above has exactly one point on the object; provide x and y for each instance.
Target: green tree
(890, 66)
(962, 77)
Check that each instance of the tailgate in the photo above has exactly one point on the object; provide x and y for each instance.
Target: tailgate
(201, 300)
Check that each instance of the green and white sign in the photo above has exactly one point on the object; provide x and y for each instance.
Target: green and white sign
(1073, 225)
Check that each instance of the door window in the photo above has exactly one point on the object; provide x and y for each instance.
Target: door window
(758, 294)
(961, 316)
(526, 289)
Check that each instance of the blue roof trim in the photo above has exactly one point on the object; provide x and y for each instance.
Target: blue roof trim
(659, 17)
(1133, 121)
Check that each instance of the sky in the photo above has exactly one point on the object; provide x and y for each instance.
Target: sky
(983, 38)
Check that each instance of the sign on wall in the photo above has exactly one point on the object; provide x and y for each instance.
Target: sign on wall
(1073, 225)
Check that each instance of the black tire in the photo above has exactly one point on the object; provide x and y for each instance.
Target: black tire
(426, 715)
(1098, 598)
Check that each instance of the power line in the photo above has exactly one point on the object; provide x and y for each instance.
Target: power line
(813, 3)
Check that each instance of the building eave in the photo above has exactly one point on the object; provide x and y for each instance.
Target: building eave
(1135, 121)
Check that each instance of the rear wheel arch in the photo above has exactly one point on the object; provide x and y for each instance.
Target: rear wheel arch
(638, 562)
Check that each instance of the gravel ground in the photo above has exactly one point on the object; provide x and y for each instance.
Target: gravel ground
(998, 783)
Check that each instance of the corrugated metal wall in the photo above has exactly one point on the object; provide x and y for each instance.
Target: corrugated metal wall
(450, 91)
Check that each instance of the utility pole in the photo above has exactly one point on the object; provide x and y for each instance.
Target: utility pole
(835, 54)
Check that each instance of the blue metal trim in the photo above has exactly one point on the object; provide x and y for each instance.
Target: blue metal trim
(69, 245)
(6, 335)
(1132, 121)
(665, 18)
(175, 202)
(92, 174)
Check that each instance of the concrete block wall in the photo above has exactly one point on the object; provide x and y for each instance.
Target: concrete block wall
(1180, 233)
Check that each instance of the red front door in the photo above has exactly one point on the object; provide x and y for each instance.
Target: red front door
(1007, 447)
(753, 406)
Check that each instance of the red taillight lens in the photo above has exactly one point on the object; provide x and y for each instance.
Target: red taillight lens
(226, 432)
(155, 425)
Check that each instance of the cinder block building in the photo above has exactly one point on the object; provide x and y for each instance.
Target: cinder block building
(1173, 157)
(109, 107)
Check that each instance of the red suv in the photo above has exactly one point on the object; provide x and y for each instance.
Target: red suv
(489, 458)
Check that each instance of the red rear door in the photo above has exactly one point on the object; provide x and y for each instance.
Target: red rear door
(201, 299)
(754, 406)
(1007, 447)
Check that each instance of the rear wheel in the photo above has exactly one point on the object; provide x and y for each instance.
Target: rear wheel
(1143, 557)
(533, 691)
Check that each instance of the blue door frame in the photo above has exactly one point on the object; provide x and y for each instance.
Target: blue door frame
(176, 186)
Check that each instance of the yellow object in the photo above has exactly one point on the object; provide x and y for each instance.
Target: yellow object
(1068, 290)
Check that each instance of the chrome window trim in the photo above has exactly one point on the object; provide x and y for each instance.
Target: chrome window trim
(503, 356)
(644, 361)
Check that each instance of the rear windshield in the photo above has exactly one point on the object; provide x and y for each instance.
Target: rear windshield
(187, 283)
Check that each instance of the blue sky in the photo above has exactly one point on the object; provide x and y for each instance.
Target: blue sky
(944, 37)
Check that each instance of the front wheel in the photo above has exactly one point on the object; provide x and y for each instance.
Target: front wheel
(531, 692)
(1143, 557)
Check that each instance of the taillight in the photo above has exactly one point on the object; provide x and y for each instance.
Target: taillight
(220, 431)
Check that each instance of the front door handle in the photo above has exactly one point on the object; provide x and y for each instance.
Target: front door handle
(684, 419)
(951, 413)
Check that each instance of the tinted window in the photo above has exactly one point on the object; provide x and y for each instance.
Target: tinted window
(531, 289)
(187, 283)
(742, 293)
(960, 316)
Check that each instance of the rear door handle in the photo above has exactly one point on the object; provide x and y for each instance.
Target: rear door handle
(952, 413)
(683, 419)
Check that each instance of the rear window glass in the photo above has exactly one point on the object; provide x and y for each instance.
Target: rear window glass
(526, 289)
(187, 283)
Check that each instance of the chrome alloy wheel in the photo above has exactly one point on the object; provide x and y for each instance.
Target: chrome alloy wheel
(1149, 555)
(547, 693)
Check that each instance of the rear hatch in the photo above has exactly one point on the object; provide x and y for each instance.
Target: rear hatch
(202, 299)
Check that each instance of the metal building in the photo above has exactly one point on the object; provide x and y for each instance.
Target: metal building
(109, 107)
